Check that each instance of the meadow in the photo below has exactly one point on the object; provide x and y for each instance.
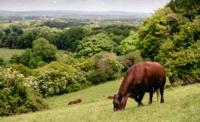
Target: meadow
(181, 105)
(6, 54)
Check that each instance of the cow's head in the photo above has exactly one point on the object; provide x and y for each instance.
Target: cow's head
(119, 102)
(79, 100)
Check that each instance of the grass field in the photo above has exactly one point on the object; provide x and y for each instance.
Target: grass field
(6, 54)
(182, 104)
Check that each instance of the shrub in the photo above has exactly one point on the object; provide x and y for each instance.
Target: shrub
(107, 62)
(15, 96)
(42, 63)
(53, 82)
(62, 67)
(130, 59)
(15, 59)
(84, 64)
(98, 76)
(21, 69)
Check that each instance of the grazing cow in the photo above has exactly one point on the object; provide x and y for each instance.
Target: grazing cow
(110, 97)
(74, 102)
(140, 78)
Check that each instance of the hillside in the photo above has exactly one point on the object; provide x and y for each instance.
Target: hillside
(181, 104)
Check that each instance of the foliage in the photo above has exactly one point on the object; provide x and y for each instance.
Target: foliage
(181, 53)
(89, 46)
(53, 82)
(70, 37)
(186, 8)
(130, 59)
(15, 96)
(42, 63)
(131, 43)
(153, 32)
(98, 76)
(84, 64)
(21, 69)
(1, 61)
(108, 63)
(15, 59)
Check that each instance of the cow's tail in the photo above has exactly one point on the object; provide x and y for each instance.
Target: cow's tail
(157, 93)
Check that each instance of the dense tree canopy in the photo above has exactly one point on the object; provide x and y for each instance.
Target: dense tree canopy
(89, 46)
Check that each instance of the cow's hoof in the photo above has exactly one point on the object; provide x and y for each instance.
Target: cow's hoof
(150, 102)
(162, 101)
(140, 104)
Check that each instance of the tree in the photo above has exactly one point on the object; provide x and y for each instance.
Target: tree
(20, 31)
(3, 38)
(187, 8)
(71, 35)
(26, 56)
(15, 59)
(25, 41)
(89, 46)
(154, 31)
(53, 38)
(7, 31)
(41, 47)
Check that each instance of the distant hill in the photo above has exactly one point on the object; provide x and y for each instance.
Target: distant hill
(105, 13)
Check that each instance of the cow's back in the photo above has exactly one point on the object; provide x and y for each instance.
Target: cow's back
(147, 74)
(155, 74)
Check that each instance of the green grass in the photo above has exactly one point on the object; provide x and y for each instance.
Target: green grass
(182, 104)
(6, 54)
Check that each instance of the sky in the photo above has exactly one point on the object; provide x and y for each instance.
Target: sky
(147, 6)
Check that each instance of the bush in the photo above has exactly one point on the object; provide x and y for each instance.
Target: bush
(62, 67)
(98, 76)
(42, 63)
(21, 69)
(53, 82)
(15, 96)
(15, 59)
(130, 59)
(107, 62)
(84, 64)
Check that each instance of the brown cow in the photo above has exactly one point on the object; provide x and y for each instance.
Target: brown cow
(140, 78)
(110, 97)
(74, 102)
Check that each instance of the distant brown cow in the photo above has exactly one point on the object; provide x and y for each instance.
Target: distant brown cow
(140, 78)
(110, 97)
(75, 102)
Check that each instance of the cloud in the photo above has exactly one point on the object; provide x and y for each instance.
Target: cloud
(84, 5)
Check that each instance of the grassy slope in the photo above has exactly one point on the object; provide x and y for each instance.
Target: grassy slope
(181, 104)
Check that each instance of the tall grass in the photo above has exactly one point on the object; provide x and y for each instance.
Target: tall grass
(181, 104)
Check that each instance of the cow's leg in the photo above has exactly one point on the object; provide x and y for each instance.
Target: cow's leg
(162, 90)
(150, 97)
(140, 98)
(136, 98)
(161, 93)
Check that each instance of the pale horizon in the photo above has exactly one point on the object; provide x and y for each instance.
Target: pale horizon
(140, 6)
